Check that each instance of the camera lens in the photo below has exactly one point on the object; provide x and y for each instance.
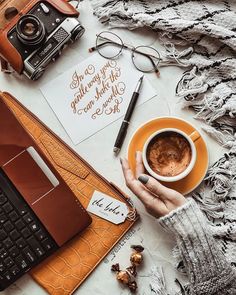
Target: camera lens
(77, 33)
(30, 30)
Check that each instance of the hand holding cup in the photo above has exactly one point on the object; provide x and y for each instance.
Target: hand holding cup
(157, 199)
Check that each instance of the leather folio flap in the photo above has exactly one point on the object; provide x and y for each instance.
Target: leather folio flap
(63, 272)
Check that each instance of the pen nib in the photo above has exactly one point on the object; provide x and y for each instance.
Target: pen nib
(116, 151)
(140, 82)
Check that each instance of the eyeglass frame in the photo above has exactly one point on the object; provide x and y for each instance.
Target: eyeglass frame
(129, 47)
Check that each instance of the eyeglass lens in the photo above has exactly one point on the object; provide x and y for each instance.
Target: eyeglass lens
(109, 45)
(145, 58)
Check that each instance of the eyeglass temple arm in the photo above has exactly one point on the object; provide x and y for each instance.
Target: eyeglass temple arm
(103, 44)
(108, 41)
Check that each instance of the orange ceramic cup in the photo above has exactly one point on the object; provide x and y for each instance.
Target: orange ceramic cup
(198, 172)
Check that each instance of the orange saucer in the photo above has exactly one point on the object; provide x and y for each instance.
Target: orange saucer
(195, 177)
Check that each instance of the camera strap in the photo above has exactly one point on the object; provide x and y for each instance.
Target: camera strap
(5, 67)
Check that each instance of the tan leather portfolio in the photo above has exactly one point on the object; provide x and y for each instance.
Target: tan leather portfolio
(62, 273)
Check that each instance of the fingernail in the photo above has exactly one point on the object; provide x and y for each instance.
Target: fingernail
(143, 179)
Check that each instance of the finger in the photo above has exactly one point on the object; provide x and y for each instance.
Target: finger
(153, 205)
(128, 173)
(154, 186)
(139, 164)
(134, 185)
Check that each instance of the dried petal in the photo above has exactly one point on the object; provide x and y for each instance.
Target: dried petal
(133, 286)
(137, 248)
(115, 267)
(132, 270)
(124, 277)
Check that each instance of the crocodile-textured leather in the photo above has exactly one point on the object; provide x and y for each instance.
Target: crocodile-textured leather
(63, 272)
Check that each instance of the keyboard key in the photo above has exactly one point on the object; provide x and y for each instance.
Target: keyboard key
(33, 242)
(14, 251)
(28, 218)
(21, 262)
(3, 235)
(36, 246)
(7, 207)
(14, 235)
(20, 224)
(29, 254)
(26, 232)
(47, 244)
(34, 226)
(8, 226)
(21, 243)
(13, 216)
(39, 251)
(3, 253)
(22, 211)
(8, 243)
(7, 276)
(3, 218)
(2, 267)
(15, 270)
(3, 199)
(8, 262)
(40, 235)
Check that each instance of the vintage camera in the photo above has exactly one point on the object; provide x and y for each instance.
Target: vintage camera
(38, 34)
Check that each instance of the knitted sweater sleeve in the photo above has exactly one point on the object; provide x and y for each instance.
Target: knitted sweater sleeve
(209, 272)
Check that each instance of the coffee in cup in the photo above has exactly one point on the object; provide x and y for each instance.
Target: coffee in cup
(170, 154)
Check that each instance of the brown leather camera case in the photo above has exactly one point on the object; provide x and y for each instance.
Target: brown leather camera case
(63, 272)
(7, 50)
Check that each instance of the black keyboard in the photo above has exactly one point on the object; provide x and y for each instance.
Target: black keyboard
(24, 241)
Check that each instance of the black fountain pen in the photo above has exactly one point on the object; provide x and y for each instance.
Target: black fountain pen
(125, 124)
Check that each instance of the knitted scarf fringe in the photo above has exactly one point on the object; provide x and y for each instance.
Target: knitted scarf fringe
(157, 282)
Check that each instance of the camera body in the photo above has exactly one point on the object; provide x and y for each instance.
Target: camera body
(37, 35)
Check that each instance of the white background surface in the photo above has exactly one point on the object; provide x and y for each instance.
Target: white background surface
(97, 150)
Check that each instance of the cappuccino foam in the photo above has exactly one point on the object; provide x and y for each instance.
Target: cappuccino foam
(169, 154)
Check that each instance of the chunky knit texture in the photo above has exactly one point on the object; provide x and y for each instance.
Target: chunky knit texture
(208, 270)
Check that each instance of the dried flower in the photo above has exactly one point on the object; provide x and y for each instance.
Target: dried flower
(127, 276)
(136, 258)
(123, 277)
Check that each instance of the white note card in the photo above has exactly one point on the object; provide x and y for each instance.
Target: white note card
(108, 208)
(93, 94)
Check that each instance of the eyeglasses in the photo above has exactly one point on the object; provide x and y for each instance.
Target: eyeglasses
(110, 46)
